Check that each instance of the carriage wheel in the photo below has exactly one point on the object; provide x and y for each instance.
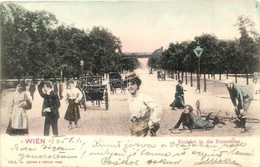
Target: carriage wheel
(84, 105)
(106, 100)
(123, 89)
(113, 90)
(84, 102)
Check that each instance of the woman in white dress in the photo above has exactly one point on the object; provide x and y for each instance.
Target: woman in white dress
(145, 112)
(18, 123)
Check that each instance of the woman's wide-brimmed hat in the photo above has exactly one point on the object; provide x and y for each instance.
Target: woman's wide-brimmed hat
(132, 77)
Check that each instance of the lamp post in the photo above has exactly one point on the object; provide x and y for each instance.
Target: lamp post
(198, 51)
(82, 65)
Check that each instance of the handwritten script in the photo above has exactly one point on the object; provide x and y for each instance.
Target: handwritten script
(109, 151)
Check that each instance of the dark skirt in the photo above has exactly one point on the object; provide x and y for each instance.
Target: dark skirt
(178, 102)
(11, 131)
(72, 113)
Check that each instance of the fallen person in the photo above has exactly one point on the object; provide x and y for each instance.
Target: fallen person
(191, 121)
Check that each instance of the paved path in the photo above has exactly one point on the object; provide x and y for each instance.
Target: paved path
(215, 99)
(115, 121)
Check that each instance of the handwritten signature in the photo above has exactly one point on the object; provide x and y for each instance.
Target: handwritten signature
(118, 161)
(218, 161)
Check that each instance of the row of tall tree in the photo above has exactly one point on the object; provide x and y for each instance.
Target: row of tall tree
(34, 45)
(238, 56)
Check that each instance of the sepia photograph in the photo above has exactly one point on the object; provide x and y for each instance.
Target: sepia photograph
(130, 83)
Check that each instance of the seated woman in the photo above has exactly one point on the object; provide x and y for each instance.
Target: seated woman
(191, 121)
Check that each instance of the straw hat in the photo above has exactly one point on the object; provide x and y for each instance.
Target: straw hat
(132, 77)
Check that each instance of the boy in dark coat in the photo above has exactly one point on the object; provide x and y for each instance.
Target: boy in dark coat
(50, 107)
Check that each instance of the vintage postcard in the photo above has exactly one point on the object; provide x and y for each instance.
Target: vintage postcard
(130, 83)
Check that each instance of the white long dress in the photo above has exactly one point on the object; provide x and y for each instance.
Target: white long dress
(18, 115)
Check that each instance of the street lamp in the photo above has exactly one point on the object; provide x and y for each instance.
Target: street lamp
(82, 65)
(198, 51)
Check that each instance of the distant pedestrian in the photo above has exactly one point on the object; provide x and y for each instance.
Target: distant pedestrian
(160, 75)
(241, 99)
(55, 87)
(145, 112)
(191, 121)
(50, 107)
(150, 71)
(18, 123)
(32, 89)
(3, 87)
(73, 98)
(179, 97)
(256, 81)
(61, 90)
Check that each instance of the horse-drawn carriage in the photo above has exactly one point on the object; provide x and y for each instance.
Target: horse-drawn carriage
(93, 90)
(116, 82)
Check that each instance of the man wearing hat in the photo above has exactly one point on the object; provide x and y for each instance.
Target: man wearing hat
(179, 97)
(145, 113)
(241, 99)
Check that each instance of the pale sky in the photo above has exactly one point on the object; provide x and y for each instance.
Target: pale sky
(144, 26)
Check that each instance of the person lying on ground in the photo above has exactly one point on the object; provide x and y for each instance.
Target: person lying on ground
(191, 121)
